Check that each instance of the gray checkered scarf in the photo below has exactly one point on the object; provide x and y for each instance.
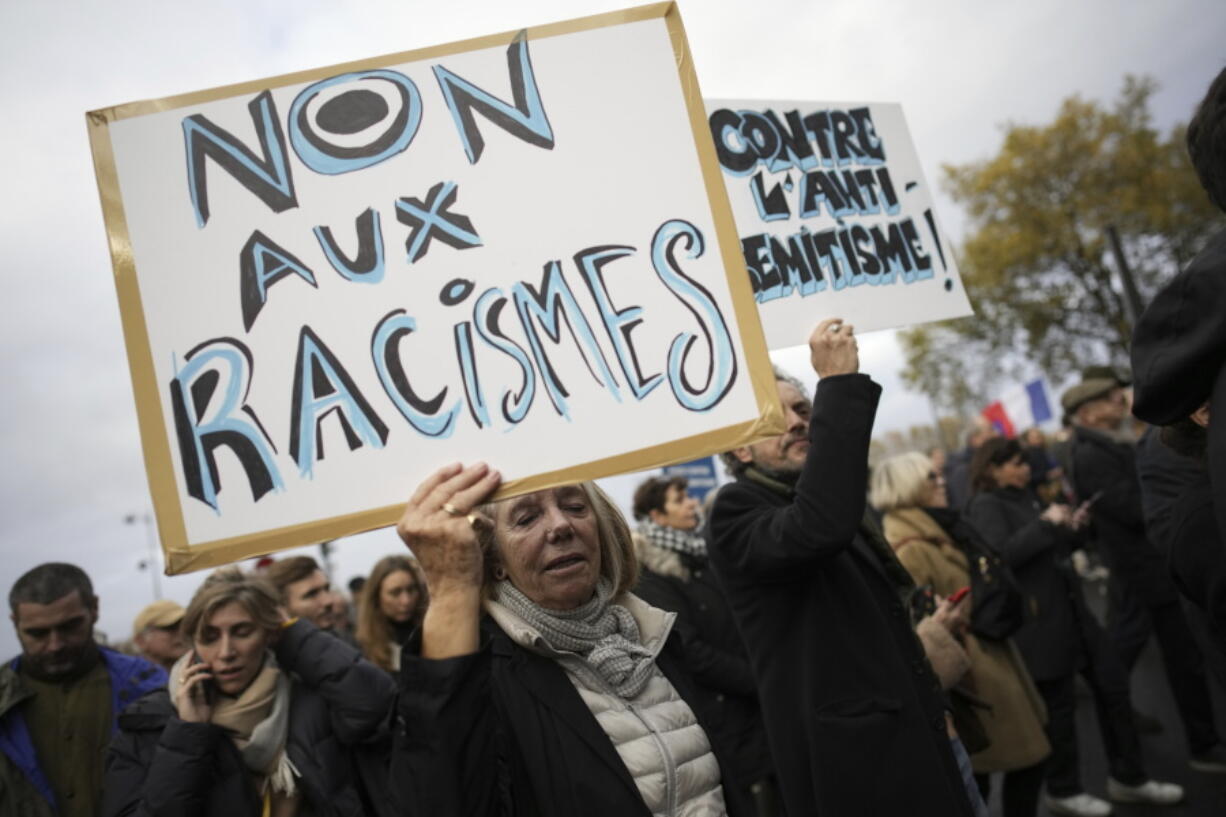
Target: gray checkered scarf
(603, 634)
(674, 539)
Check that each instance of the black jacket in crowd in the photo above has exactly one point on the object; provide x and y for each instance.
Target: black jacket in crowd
(854, 713)
(503, 732)
(1164, 476)
(717, 661)
(1198, 558)
(1107, 469)
(1179, 516)
(160, 765)
(1039, 554)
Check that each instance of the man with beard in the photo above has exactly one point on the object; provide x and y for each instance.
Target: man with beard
(60, 698)
(854, 713)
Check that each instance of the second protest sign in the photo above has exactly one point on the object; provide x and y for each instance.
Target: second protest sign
(835, 216)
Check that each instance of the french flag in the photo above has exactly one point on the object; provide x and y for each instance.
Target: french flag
(1020, 408)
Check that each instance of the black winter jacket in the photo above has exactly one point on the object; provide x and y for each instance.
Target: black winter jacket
(717, 661)
(503, 732)
(854, 714)
(1107, 469)
(1040, 555)
(159, 765)
(1197, 558)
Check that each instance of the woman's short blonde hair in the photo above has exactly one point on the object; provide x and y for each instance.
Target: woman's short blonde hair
(901, 482)
(229, 584)
(618, 562)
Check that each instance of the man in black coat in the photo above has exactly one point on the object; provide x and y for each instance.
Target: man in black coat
(854, 714)
(1105, 472)
(1179, 359)
(1178, 503)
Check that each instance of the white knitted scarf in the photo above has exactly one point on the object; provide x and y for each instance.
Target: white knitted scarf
(603, 634)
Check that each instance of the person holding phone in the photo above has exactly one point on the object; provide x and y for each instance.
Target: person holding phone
(1063, 639)
(259, 718)
(938, 548)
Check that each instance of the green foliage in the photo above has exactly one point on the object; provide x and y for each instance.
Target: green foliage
(1037, 261)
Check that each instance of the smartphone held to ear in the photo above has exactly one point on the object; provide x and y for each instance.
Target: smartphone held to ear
(206, 689)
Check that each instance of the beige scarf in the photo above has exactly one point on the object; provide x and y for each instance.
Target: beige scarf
(258, 722)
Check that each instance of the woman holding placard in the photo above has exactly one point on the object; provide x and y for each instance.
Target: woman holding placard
(541, 685)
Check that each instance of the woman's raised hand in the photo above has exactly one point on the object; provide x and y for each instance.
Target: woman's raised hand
(439, 524)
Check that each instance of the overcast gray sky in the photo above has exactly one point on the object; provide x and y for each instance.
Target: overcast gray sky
(73, 466)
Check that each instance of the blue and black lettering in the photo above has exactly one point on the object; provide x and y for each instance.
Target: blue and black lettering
(209, 402)
(262, 263)
(322, 386)
(268, 177)
(525, 119)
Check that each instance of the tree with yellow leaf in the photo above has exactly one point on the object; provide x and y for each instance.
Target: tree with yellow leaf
(1038, 262)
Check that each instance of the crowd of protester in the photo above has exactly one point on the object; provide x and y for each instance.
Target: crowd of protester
(819, 639)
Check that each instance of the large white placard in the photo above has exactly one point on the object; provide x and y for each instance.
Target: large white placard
(336, 282)
(835, 216)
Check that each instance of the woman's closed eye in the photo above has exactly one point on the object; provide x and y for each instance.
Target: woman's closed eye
(522, 520)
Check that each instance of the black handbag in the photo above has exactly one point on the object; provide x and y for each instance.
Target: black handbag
(998, 603)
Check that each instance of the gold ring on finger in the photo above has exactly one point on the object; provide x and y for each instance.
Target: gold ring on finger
(473, 520)
(452, 509)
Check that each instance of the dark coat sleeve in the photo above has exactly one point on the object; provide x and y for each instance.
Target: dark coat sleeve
(1016, 545)
(174, 782)
(446, 757)
(359, 695)
(765, 542)
(1197, 559)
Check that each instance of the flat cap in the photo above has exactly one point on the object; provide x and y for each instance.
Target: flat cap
(1179, 344)
(1097, 372)
(1085, 391)
(164, 613)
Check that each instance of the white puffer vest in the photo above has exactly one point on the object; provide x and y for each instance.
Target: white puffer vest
(655, 733)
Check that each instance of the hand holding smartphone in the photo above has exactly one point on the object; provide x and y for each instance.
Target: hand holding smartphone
(1081, 516)
(205, 689)
(196, 693)
(959, 594)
